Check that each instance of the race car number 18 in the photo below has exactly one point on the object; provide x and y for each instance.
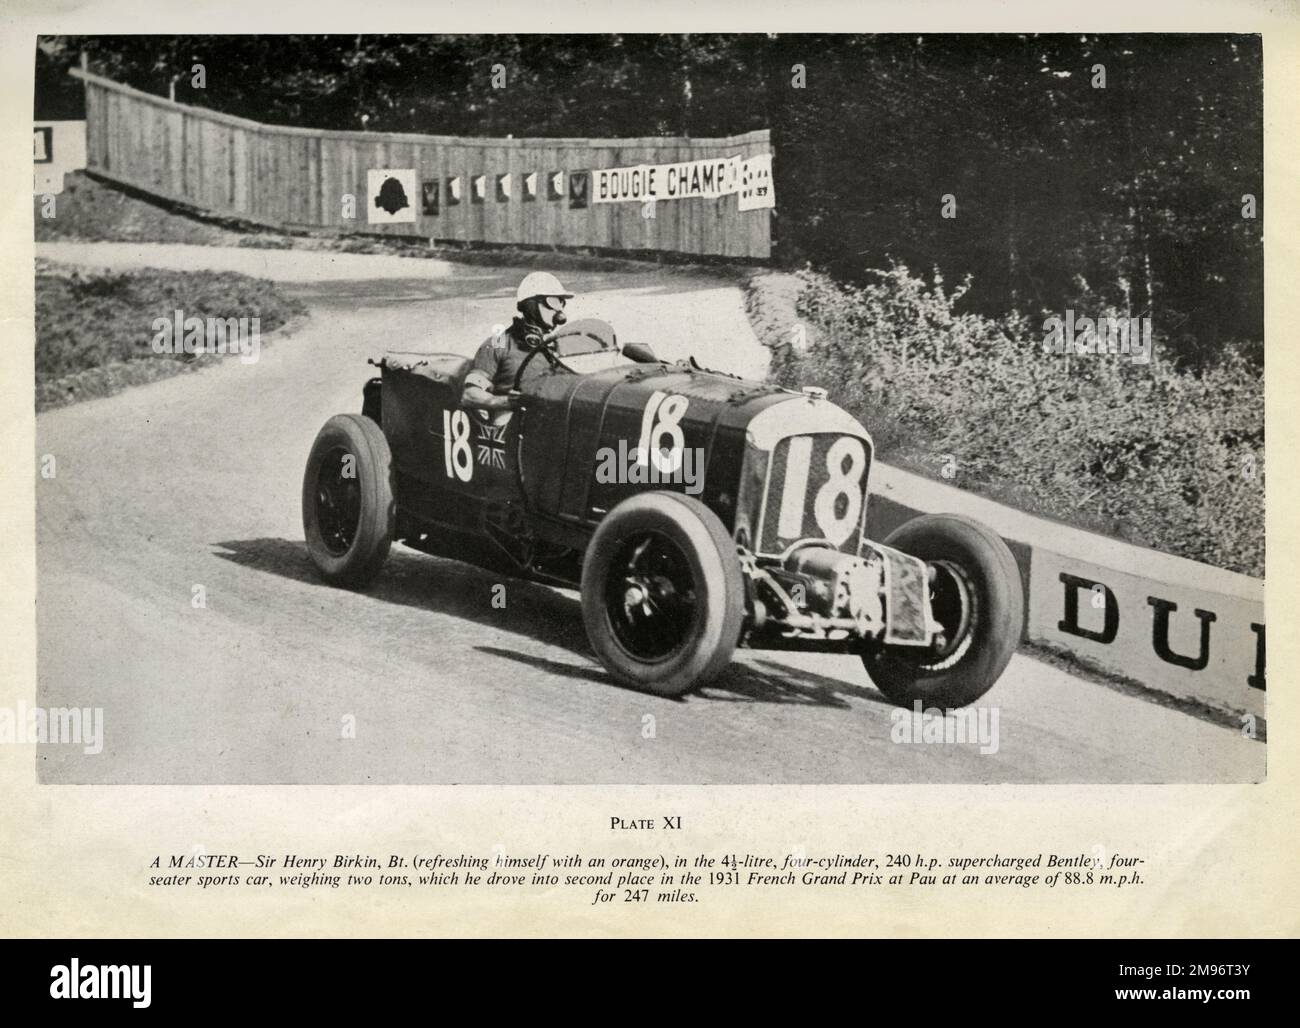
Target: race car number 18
(670, 410)
(456, 451)
(837, 520)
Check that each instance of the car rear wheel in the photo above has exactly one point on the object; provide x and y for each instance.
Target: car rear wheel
(348, 512)
(663, 597)
(976, 597)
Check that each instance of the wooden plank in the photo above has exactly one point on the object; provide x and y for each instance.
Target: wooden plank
(112, 132)
(92, 127)
(283, 176)
(334, 186)
(476, 221)
(196, 126)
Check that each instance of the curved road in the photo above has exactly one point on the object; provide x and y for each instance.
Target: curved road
(194, 481)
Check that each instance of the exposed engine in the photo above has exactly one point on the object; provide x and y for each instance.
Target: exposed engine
(822, 591)
(840, 584)
(815, 592)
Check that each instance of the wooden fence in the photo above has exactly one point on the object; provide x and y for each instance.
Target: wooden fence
(298, 178)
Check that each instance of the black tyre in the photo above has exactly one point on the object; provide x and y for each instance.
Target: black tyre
(976, 596)
(347, 500)
(663, 597)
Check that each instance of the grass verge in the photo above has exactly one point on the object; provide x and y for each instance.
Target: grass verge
(95, 330)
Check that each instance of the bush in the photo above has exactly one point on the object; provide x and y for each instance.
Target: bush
(1165, 458)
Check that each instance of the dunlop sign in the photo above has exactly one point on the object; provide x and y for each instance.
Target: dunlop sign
(1186, 640)
(711, 178)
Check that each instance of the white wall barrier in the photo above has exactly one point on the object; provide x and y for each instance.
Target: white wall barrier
(1185, 629)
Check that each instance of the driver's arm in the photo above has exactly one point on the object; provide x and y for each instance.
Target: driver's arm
(475, 394)
(477, 391)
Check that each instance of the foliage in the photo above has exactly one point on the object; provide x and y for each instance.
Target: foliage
(1168, 458)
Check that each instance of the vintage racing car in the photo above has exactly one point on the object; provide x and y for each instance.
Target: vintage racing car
(695, 511)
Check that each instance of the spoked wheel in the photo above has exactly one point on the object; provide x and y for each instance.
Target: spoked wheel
(347, 500)
(338, 501)
(650, 597)
(662, 593)
(975, 596)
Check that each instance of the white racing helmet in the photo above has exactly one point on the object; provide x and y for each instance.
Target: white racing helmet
(540, 283)
(536, 297)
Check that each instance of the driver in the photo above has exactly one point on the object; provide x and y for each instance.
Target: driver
(540, 300)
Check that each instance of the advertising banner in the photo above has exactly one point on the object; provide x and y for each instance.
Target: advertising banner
(709, 179)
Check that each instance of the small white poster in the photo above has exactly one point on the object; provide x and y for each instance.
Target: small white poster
(57, 148)
(756, 184)
(390, 196)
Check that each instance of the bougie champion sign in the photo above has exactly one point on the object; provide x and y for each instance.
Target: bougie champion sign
(713, 177)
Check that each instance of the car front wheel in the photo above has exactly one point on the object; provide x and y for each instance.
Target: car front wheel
(663, 597)
(975, 595)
